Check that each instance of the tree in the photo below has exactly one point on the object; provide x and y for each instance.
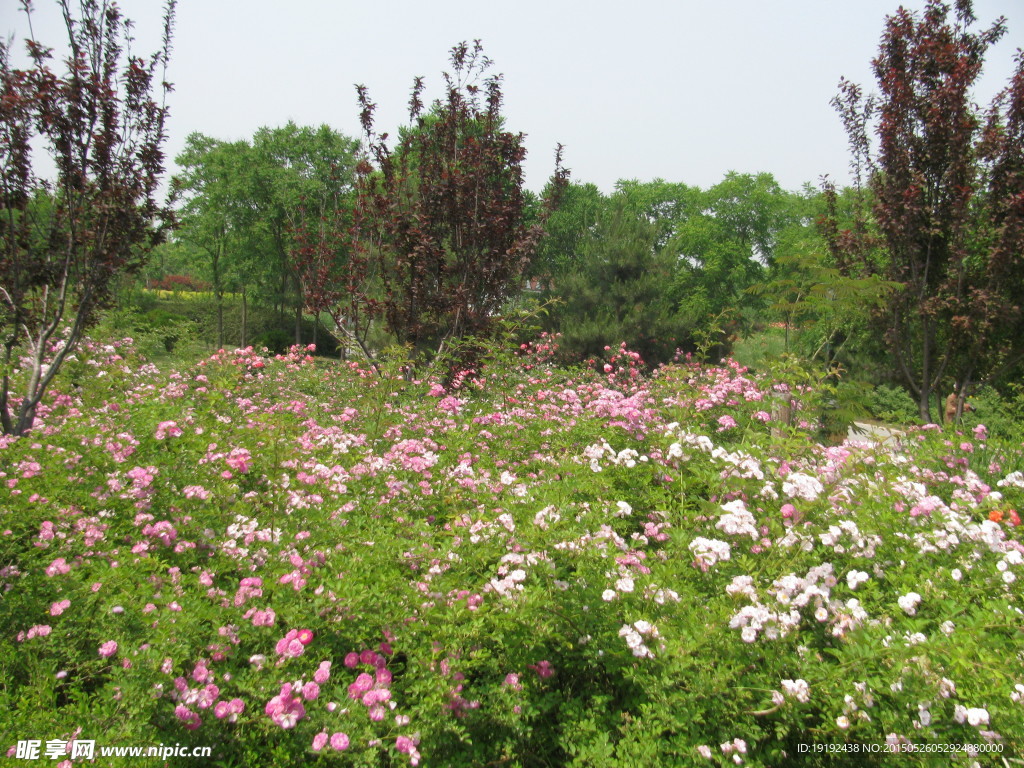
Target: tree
(65, 241)
(300, 174)
(215, 211)
(244, 202)
(566, 231)
(618, 291)
(444, 214)
(947, 202)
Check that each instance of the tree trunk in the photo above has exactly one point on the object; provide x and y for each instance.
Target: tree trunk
(924, 405)
(220, 319)
(243, 317)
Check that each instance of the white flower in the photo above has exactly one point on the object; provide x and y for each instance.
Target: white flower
(977, 716)
(909, 603)
(798, 689)
(957, 574)
(855, 578)
(704, 751)
(625, 584)
(946, 687)
(608, 595)
(798, 485)
(707, 552)
(1015, 479)
(843, 721)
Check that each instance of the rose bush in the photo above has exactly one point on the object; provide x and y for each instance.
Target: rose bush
(306, 564)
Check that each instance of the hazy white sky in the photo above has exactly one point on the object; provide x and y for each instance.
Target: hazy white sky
(684, 90)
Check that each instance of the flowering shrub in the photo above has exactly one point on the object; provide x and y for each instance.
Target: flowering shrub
(304, 565)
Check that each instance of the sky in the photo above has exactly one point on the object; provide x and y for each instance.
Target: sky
(683, 90)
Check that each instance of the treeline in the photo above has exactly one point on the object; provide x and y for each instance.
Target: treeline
(663, 266)
(659, 265)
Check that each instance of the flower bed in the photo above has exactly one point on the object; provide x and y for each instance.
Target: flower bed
(304, 565)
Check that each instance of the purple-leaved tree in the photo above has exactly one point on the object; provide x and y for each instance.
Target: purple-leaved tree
(65, 240)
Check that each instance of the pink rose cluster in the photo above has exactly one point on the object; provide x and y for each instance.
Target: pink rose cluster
(108, 649)
(372, 692)
(337, 741)
(167, 429)
(286, 709)
(39, 630)
(228, 710)
(293, 644)
(407, 746)
(238, 459)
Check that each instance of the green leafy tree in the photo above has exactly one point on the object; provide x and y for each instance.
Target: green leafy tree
(300, 175)
(618, 292)
(243, 203)
(728, 244)
(567, 230)
(216, 213)
(665, 205)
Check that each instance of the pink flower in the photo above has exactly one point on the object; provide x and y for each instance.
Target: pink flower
(310, 691)
(238, 460)
(58, 608)
(39, 630)
(108, 649)
(58, 567)
(726, 422)
(265, 618)
(229, 709)
(323, 673)
(544, 669)
(167, 429)
(339, 741)
(305, 636)
(362, 684)
(190, 719)
(284, 709)
(291, 644)
(352, 660)
(320, 741)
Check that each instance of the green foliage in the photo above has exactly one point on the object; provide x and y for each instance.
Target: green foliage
(243, 201)
(893, 404)
(1002, 414)
(758, 349)
(617, 292)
